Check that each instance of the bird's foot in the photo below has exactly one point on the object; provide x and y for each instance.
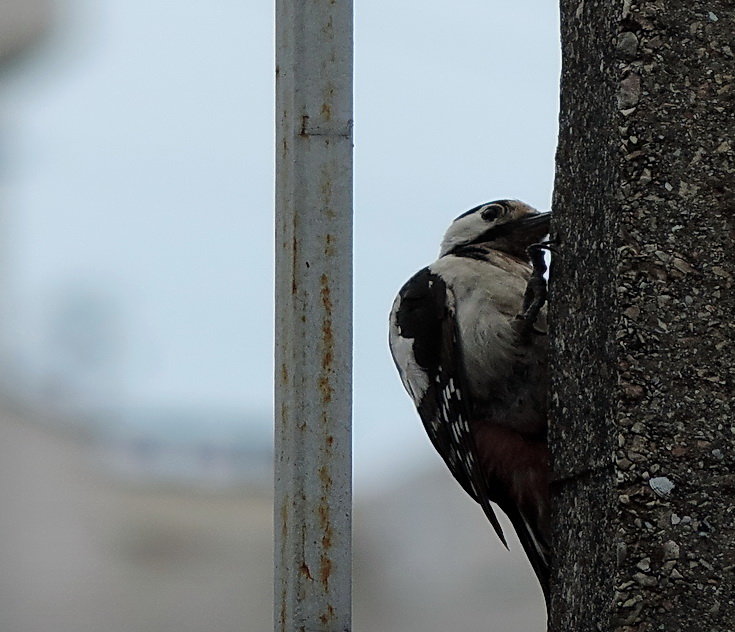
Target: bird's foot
(536, 290)
(549, 244)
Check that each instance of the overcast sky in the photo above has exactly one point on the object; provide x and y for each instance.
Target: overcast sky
(137, 181)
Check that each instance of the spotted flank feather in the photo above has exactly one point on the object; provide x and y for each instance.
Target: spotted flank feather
(460, 448)
(424, 314)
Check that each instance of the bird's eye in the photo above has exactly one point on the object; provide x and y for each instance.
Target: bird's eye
(491, 212)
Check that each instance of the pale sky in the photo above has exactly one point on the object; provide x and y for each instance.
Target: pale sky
(138, 170)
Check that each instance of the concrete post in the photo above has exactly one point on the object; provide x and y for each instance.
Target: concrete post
(643, 410)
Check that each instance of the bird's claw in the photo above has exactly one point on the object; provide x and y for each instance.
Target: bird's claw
(549, 244)
(536, 291)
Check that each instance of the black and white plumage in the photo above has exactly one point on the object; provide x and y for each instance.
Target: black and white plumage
(464, 334)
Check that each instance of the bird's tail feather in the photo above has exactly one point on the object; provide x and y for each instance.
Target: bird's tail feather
(536, 545)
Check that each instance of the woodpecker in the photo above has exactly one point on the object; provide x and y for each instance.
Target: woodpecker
(466, 334)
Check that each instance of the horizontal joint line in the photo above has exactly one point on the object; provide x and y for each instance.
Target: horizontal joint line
(343, 130)
(310, 133)
(582, 473)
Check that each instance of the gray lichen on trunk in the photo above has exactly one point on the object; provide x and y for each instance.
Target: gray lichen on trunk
(642, 305)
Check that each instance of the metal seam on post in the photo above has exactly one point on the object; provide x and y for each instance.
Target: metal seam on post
(313, 368)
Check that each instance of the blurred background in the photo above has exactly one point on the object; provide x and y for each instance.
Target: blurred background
(136, 265)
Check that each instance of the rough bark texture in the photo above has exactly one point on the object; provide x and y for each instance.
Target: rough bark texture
(642, 305)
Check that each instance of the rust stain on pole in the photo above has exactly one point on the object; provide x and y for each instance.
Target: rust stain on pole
(313, 316)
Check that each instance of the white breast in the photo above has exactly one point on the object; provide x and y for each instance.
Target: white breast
(488, 297)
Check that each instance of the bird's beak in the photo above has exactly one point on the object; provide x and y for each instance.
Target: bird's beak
(537, 220)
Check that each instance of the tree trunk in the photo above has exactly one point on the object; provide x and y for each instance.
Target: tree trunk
(642, 312)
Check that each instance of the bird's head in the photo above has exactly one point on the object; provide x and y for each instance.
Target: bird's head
(506, 225)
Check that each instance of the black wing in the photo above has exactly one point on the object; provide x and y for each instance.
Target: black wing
(424, 318)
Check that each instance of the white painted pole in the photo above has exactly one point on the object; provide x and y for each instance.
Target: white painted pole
(313, 369)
